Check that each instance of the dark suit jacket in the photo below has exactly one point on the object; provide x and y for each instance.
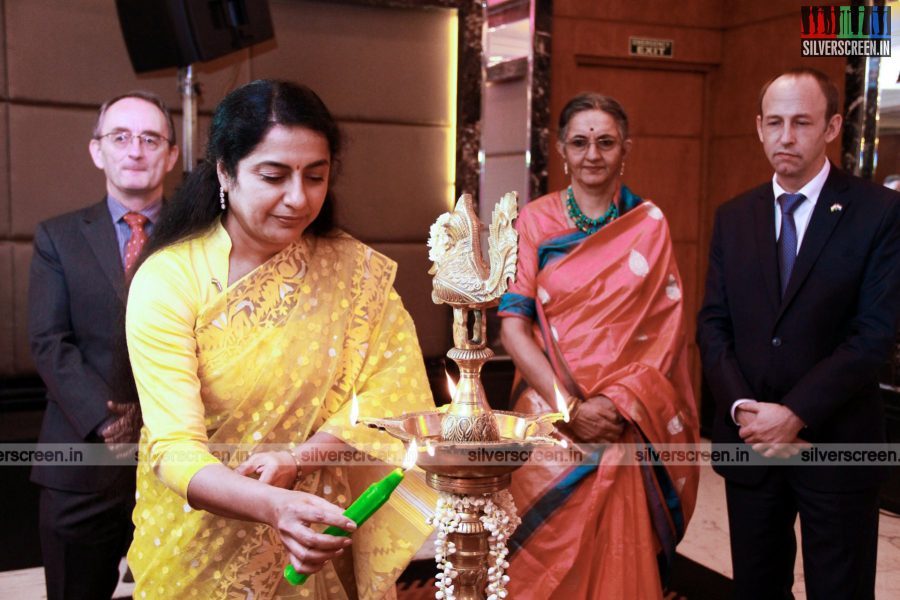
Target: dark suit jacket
(818, 350)
(76, 303)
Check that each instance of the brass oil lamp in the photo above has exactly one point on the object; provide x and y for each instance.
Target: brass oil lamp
(459, 443)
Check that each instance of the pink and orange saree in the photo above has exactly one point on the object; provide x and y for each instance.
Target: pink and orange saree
(607, 311)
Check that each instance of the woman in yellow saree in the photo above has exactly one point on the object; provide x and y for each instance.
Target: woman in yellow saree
(249, 324)
(597, 308)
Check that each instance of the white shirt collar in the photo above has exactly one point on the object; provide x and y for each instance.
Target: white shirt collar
(813, 187)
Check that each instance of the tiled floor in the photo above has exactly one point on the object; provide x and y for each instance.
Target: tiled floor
(706, 540)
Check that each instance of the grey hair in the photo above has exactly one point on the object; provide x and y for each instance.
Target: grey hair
(593, 101)
(140, 95)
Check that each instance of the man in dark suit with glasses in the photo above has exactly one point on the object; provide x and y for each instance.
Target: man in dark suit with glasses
(76, 305)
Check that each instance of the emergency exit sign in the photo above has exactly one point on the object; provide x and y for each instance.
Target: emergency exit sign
(650, 47)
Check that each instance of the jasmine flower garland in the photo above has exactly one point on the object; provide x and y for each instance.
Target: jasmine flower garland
(498, 515)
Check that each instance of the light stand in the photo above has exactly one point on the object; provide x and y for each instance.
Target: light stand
(187, 87)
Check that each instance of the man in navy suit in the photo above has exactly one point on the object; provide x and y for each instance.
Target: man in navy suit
(77, 331)
(801, 310)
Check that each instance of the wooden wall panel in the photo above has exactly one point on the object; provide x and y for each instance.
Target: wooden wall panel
(643, 92)
(687, 13)
(365, 62)
(745, 69)
(7, 318)
(730, 160)
(5, 204)
(611, 40)
(687, 255)
(73, 52)
(668, 171)
(3, 78)
(741, 12)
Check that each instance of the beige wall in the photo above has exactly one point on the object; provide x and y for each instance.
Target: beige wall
(383, 72)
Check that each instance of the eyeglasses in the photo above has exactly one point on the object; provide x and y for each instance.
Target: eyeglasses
(580, 145)
(122, 139)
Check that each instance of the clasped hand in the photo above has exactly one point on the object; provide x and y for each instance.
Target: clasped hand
(123, 428)
(597, 420)
(771, 429)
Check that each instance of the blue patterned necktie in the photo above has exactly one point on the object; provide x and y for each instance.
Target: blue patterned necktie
(787, 241)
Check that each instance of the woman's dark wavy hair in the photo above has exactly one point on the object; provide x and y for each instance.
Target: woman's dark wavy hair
(239, 124)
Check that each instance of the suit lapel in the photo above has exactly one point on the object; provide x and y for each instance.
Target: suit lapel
(764, 224)
(98, 230)
(821, 225)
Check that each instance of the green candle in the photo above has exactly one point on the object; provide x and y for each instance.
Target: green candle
(358, 512)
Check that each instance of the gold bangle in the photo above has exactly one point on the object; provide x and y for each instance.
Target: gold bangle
(299, 477)
(573, 403)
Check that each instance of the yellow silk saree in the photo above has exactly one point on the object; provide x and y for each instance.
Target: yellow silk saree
(269, 360)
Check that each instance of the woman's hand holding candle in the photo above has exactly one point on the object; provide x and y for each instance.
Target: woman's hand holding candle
(362, 508)
(365, 506)
(293, 516)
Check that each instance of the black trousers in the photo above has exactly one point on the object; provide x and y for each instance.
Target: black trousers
(83, 539)
(839, 532)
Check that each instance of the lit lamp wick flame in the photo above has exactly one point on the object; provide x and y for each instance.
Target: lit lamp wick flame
(429, 447)
(561, 403)
(409, 461)
(450, 385)
(354, 409)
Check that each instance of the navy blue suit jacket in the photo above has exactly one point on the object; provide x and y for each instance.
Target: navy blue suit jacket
(818, 350)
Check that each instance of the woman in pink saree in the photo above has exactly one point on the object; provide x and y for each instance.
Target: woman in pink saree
(597, 310)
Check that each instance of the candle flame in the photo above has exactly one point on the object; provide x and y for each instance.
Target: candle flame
(450, 385)
(561, 403)
(429, 447)
(409, 461)
(354, 409)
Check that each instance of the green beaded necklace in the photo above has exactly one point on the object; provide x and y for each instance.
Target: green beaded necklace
(585, 223)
